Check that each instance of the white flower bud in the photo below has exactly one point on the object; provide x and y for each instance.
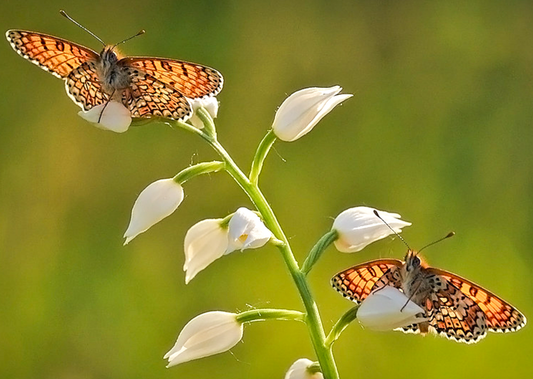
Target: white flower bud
(246, 231)
(388, 309)
(358, 227)
(302, 110)
(207, 334)
(300, 370)
(108, 116)
(211, 106)
(205, 242)
(154, 203)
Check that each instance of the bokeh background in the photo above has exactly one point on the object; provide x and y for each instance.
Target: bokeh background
(439, 130)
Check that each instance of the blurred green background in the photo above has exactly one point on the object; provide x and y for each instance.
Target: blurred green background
(439, 130)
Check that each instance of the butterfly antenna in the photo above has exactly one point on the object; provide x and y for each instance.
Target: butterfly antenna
(394, 231)
(63, 13)
(127, 39)
(451, 234)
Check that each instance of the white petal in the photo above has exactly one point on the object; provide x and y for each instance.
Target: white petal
(359, 227)
(257, 237)
(301, 106)
(299, 370)
(205, 242)
(108, 116)
(207, 334)
(301, 111)
(388, 309)
(246, 231)
(154, 203)
(211, 106)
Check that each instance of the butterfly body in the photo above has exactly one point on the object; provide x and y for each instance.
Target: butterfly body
(454, 307)
(112, 76)
(147, 86)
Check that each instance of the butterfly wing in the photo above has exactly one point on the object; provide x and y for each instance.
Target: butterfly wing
(357, 282)
(149, 97)
(190, 79)
(500, 316)
(83, 86)
(53, 54)
(454, 315)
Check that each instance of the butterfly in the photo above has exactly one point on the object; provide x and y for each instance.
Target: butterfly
(146, 86)
(455, 308)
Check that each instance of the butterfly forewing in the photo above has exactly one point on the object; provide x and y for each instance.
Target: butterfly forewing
(53, 54)
(357, 282)
(190, 79)
(500, 315)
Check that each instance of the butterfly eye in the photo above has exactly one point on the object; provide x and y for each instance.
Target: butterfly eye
(416, 262)
(413, 263)
(108, 55)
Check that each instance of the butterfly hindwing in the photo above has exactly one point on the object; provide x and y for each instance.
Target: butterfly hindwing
(83, 87)
(148, 97)
(455, 316)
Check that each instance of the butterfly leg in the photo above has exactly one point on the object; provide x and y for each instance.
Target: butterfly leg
(390, 278)
(411, 295)
(105, 105)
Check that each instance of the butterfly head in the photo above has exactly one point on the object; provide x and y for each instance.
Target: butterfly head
(109, 54)
(413, 261)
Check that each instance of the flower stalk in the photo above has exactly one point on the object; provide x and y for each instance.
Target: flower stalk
(341, 324)
(252, 190)
(260, 155)
(270, 314)
(198, 169)
(317, 250)
(209, 125)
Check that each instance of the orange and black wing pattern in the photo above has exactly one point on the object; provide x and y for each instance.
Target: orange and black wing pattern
(357, 282)
(56, 55)
(192, 80)
(148, 97)
(501, 317)
(84, 88)
(455, 316)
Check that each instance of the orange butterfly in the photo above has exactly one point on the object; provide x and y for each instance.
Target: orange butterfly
(455, 307)
(146, 86)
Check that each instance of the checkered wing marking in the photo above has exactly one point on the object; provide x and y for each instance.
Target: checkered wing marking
(83, 86)
(500, 316)
(53, 54)
(148, 97)
(357, 282)
(455, 316)
(190, 79)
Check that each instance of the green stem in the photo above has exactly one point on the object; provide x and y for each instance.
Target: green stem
(317, 250)
(207, 120)
(198, 169)
(261, 153)
(339, 327)
(187, 127)
(270, 314)
(314, 323)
